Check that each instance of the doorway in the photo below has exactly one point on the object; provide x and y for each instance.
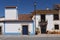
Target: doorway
(43, 29)
(25, 29)
(42, 17)
(43, 24)
(0, 30)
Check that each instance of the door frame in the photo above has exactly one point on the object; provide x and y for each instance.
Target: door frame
(41, 29)
(22, 29)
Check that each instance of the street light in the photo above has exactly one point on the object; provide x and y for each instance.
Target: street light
(35, 15)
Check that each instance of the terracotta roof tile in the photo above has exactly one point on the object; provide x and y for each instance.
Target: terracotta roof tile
(45, 12)
(25, 17)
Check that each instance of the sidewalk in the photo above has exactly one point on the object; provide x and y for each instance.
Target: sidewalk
(41, 35)
(31, 37)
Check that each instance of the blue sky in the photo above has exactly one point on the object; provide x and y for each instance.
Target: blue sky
(26, 6)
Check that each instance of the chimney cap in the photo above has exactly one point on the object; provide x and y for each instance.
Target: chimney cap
(10, 7)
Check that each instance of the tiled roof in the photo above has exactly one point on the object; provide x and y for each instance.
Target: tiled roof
(46, 12)
(25, 17)
(21, 18)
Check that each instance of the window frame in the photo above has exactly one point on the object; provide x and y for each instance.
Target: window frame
(56, 26)
(55, 16)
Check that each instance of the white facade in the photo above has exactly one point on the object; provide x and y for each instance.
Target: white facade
(50, 22)
(14, 27)
(11, 14)
(49, 19)
(17, 27)
(57, 22)
(37, 17)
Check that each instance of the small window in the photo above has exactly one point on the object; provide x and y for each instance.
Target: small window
(57, 27)
(56, 17)
(42, 17)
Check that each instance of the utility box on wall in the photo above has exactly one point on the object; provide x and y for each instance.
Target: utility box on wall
(11, 13)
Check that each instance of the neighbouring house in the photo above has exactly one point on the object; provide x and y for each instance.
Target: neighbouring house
(47, 21)
(38, 22)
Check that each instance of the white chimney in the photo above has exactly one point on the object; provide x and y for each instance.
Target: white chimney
(11, 13)
(47, 8)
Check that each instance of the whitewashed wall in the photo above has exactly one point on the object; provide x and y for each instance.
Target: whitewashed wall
(30, 26)
(12, 27)
(11, 14)
(37, 19)
(49, 19)
(17, 27)
(57, 22)
(2, 26)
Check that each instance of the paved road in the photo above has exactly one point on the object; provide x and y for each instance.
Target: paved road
(41, 37)
(32, 38)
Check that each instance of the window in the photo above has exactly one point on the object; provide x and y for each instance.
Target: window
(56, 17)
(56, 26)
(42, 17)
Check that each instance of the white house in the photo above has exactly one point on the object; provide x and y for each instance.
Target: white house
(41, 22)
(47, 21)
(15, 24)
